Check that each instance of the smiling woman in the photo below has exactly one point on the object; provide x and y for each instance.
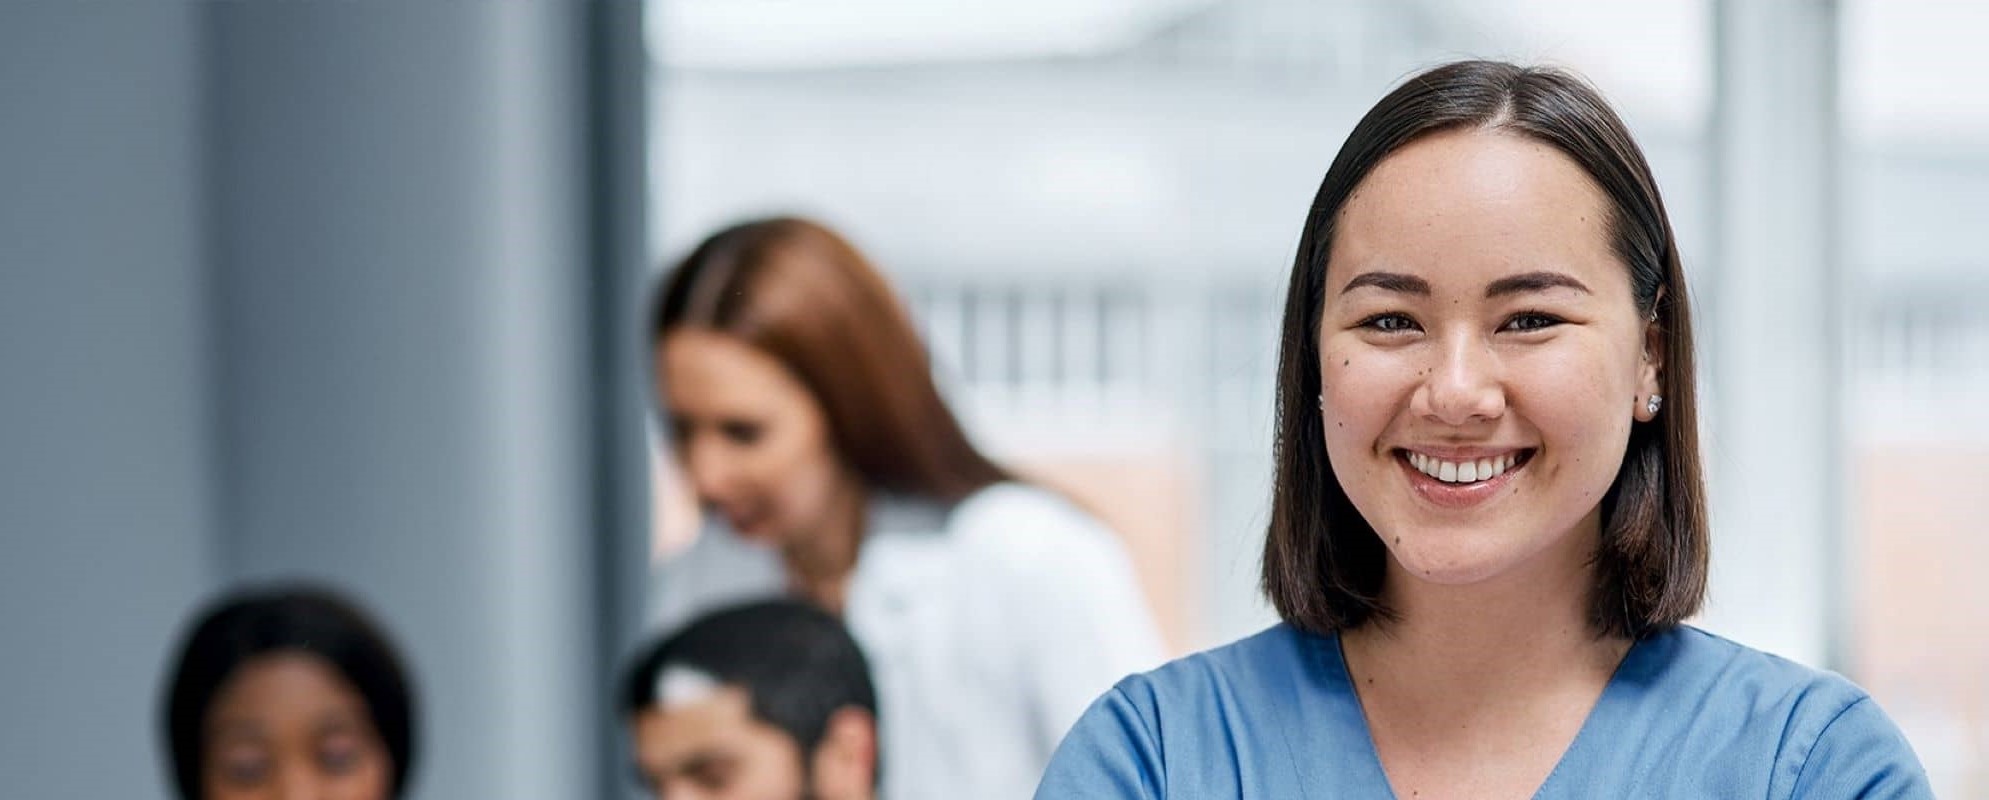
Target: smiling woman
(1452, 358)
(1487, 524)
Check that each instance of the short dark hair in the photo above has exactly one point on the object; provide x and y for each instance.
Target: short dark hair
(245, 625)
(1323, 564)
(797, 662)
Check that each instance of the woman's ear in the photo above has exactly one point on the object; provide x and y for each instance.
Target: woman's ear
(845, 764)
(1650, 372)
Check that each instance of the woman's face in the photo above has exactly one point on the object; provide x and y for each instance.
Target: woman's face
(752, 438)
(1481, 356)
(286, 726)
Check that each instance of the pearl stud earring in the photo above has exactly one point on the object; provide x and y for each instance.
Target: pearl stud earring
(1653, 404)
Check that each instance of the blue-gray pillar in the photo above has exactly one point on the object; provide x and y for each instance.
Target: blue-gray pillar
(412, 289)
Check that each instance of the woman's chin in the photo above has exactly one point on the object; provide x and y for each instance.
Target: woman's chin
(1449, 566)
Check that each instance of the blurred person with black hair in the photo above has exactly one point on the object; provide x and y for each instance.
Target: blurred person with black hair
(763, 701)
(288, 692)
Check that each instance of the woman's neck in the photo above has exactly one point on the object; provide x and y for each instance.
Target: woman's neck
(1481, 688)
(1527, 630)
(819, 565)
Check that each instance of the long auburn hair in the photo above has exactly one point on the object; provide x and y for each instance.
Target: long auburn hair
(1323, 564)
(799, 292)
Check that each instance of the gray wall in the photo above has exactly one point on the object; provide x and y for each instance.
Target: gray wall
(333, 290)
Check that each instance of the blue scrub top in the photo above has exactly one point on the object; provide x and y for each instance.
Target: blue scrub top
(1687, 715)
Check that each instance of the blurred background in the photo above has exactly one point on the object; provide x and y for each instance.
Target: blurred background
(352, 290)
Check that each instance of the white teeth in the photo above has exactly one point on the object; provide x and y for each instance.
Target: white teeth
(1462, 471)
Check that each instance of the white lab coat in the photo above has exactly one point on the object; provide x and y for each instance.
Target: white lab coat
(989, 630)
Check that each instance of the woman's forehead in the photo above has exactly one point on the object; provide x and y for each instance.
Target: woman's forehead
(1462, 210)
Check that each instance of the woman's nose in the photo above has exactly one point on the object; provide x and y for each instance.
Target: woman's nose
(710, 466)
(1462, 385)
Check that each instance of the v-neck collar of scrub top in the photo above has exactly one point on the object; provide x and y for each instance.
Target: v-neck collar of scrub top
(1342, 726)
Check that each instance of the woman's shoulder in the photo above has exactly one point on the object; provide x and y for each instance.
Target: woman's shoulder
(1694, 660)
(1008, 500)
(1268, 665)
(1017, 520)
(1731, 710)
(1271, 713)
(1726, 683)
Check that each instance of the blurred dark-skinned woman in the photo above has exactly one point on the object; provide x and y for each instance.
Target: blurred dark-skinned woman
(286, 693)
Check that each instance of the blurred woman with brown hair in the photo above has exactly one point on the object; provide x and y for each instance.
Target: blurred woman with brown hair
(801, 405)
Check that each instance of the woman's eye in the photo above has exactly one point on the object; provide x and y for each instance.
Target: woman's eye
(1389, 323)
(338, 760)
(249, 771)
(741, 432)
(712, 778)
(1531, 321)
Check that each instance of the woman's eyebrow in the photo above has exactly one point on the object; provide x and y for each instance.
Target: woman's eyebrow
(1533, 282)
(335, 721)
(236, 729)
(1389, 281)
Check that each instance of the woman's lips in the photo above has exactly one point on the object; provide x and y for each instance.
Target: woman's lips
(1461, 478)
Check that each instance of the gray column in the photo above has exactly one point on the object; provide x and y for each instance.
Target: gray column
(409, 283)
(105, 491)
(1772, 338)
(618, 214)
